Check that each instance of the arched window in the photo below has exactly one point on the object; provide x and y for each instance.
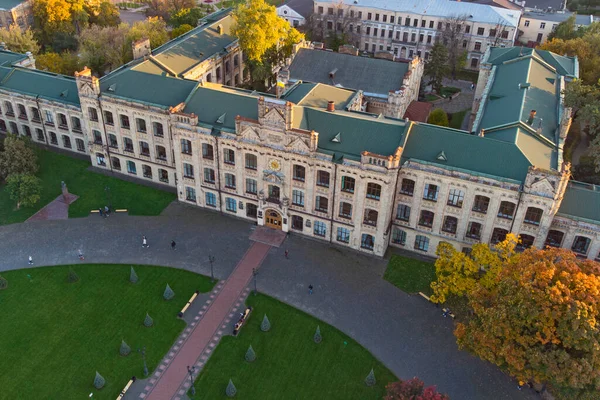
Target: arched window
(373, 191)
(525, 242)
(370, 217)
(450, 224)
(506, 210)
(533, 215)
(498, 235)
(554, 238)
(367, 241)
(251, 161)
(348, 184)
(581, 245)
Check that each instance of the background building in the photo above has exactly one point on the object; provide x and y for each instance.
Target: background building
(295, 12)
(16, 12)
(535, 26)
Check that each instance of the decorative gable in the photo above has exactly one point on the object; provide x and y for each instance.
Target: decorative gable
(250, 133)
(543, 187)
(298, 145)
(274, 116)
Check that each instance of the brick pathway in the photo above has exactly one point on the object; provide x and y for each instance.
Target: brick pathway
(56, 209)
(198, 339)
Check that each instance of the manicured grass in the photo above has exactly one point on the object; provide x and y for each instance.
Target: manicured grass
(431, 97)
(55, 335)
(448, 90)
(89, 186)
(467, 75)
(289, 364)
(457, 119)
(410, 275)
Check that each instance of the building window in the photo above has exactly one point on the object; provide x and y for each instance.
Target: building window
(407, 187)
(345, 210)
(474, 230)
(97, 137)
(141, 125)
(207, 151)
(163, 175)
(421, 243)
(370, 217)
(128, 145)
(75, 124)
(190, 194)
(480, 31)
(251, 186)
(298, 198)
(367, 241)
(581, 245)
(78, 142)
(323, 178)
(62, 121)
(321, 204)
(100, 159)
(554, 238)
(15, 129)
(430, 192)
(188, 170)
(186, 146)
(320, 10)
(533, 215)
(403, 212)
(456, 197)
(464, 44)
(399, 236)
(108, 118)
(542, 25)
(131, 168)
(527, 22)
(299, 173)
(144, 149)
(230, 204)
(426, 218)
(431, 24)
(66, 140)
(116, 163)
(229, 156)
(343, 235)
(474, 62)
(373, 191)
(93, 113)
(506, 210)
(9, 109)
(504, 35)
(157, 127)
(251, 210)
(124, 121)
(27, 132)
(297, 222)
(481, 204)
(525, 242)
(161, 153)
(211, 199)
(35, 114)
(147, 171)
(348, 184)
(209, 175)
(49, 118)
(498, 235)
(251, 161)
(320, 229)
(329, 25)
(230, 181)
(477, 46)
(450, 224)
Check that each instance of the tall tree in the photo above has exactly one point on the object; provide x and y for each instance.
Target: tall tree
(24, 189)
(104, 49)
(65, 63)
(153, 28)
(18, 157)
(436, 68)
(540, 320)
(53, 16)
(412, 389)
(19, 41)
(566, 30)
(438, 117)
(338, 28)
(453, 34)
(180, 30)
(188, 16)
(106, 14)
(587, 50)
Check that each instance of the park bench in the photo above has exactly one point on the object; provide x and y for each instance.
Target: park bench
(243, 318)
(188, 304)
(126, 388)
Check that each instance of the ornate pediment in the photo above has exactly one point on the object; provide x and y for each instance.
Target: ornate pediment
(87, 90)
(298, 145)
(250, 133)
(274, 117)
(543, 187)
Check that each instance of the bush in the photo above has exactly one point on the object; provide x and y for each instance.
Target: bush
(168, 294)
(438, 117)
(265, 325)
(318, 338)
(133, 278)
(250, 354)
(148, 322)
(370, 379)
(99, 381)
(231, 390)
(125, 349)
(72, 277)
(3, 282)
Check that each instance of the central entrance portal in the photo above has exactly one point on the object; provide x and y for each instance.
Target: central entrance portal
(273, 219)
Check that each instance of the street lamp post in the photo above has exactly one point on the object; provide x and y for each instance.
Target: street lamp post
(191, 371)
(254, 273)
(211, 260)
(107, 190)
(143, 352)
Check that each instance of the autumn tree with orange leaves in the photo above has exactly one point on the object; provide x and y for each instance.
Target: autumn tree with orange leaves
(539, 319)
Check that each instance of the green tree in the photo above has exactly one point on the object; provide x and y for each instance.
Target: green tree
(370, 379)
(99, 381)
(148, 322)
(72, 277)
(105, 48)
(18, 157)
(189, 16)
(124, 350)
(230, 391)
(436, 68)
(168, 294)
(24, 189)
(317, 336)
(587, 50)
(540, 320)
(250, 354)
(53, 16)
(566, 30)
(153, 28)
(438, 117)
(180, 30)
(106, 14)
(65, 63)
(18, 40)
(265, 325)
(3, 282)
(133, 278)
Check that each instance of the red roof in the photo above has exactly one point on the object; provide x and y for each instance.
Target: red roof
(418, 111)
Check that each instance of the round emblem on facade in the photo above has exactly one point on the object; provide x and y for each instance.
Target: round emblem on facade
(274, 165)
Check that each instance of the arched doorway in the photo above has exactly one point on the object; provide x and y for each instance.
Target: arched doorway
(273, 219)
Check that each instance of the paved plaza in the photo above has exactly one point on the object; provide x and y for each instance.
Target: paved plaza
(403, 331)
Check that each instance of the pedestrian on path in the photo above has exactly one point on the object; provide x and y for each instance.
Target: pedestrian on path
(106, 211)
(310, 289)
(80, 255)
(173, 244)
(30, 261)
(472, 86)
(101, 212)
(144, 241)
(286, 254)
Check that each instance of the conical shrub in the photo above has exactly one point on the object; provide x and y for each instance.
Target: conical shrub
(370, 379)
(125, 349)
(133, 278)
(72, 277)
(265, 325)
(169, 293)
(148, 322)
(250, 354)
(99, 381)
(231, 390)
(318, 338)
(3, 282)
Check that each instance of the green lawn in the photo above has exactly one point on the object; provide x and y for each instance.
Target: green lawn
(431, 97)
(55, 335)
(467, 75)
(448, 90)
(89, 186)
(410, 275)
(289, 365)
(457, 119)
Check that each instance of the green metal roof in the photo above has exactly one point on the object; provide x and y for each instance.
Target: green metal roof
(581, 200)
(197, 45)
(483, 155)
(567, 66)
(8, 58)
(45, 84)
(9, 4)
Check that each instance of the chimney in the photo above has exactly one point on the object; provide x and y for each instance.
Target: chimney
(481, 133)
(141, 48)
(331, 106)
(332, 73)
(220, 29)
(531, 117)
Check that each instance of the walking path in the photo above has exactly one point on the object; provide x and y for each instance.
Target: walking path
(56, 209)
(172, 381)
(404, 332)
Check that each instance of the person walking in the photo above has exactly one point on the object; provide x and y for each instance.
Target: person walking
(310, 289)
(173, 244)
(101, 212)
(106, 211)
(30, 262)
(144, 241)
(472, 86)
(287, 254)
(80, 255)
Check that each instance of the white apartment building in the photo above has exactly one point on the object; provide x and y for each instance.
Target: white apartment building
(535, 26)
